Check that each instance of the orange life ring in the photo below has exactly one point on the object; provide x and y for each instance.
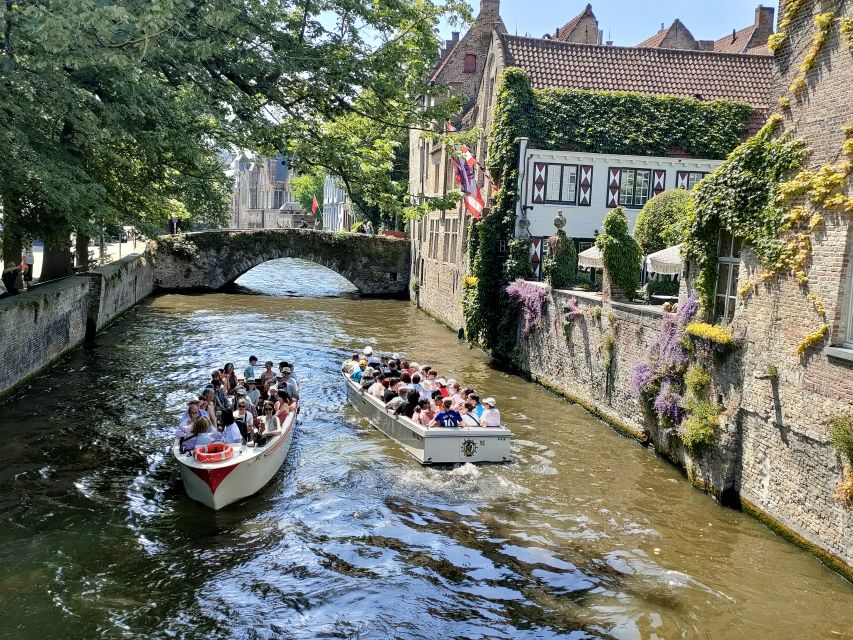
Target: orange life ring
(216, 452)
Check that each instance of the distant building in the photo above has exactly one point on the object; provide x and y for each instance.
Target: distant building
(262, 197)
(337, 208)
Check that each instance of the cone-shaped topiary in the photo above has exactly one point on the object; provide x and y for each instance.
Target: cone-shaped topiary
(620, 252)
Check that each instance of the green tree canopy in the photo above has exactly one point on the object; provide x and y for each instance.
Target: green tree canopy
(660, 223)
(114, 112)
(307, 186)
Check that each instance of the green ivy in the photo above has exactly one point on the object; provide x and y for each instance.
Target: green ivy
(741, 196)
(620, 253)
(561, 264)
(564, 119)
(659, 223)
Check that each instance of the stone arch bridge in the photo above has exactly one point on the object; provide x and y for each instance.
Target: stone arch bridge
(209, 260)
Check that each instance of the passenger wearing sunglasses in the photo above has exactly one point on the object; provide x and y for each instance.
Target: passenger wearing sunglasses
(270, 426)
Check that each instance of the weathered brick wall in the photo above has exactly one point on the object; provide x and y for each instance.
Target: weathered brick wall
(38, 327)
(440, 293)
(789, 470)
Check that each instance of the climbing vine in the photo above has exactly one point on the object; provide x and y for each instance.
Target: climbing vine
(620, 253)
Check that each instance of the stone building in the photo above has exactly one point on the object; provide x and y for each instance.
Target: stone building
(262, 197)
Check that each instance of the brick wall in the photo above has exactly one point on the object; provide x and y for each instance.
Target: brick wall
(39, 326)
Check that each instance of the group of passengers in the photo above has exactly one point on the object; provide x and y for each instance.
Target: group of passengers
(419, 392)
(249, 410)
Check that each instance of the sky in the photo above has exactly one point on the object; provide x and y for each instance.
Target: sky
(629, 22)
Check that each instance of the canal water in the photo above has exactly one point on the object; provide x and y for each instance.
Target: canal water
(585, 535)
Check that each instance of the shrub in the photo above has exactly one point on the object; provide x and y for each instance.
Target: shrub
(659, 224)
(700, 427)
(841, 435)
(561, 263)
(518, 260)
(620, 252)
(698, 381)
(532, 298)
(713, 333)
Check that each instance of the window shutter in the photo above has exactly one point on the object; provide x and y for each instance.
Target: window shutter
(613, 183)
(585, 188)
(681, 179)
(539, 183)
(659, 184)
(536, 257)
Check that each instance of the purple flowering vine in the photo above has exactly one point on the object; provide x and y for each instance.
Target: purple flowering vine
(532, 297)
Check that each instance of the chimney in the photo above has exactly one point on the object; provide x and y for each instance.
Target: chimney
(764, 19)
(734, 35)
(490, 10)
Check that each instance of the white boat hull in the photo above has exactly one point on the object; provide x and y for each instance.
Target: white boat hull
(433, 445)
(219, 484)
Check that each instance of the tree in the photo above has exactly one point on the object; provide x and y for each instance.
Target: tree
(661, 220)
(307, 186)
(114, 112)
(561, 263)
(620, 253)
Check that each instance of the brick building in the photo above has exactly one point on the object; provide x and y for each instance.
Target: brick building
(261, 197)
(570, 58)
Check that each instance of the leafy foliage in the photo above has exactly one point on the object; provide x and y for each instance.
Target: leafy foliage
(307, 186)
(841, 435)
(699, 429)
(713, 333)
(561, 264)
(620, 253)
(659, 223)
(533, 298)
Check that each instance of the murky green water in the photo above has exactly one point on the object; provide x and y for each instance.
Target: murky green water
(585, 535)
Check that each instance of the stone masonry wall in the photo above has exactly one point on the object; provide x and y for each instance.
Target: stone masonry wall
(789, 470)
(440, 292)
(40, 326)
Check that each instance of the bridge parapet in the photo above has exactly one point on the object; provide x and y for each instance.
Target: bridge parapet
(209, 260)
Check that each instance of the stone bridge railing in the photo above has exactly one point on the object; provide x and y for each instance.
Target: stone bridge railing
(209, 260)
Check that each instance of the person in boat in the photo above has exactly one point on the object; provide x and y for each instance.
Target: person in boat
(252, 393)
(249, 372)
(358, 373)
(202, 434)
(469, 416)
(426, 389)
(416, 384)
(391, 391)
(240, 393)
(370, 356)
(229, 378)
(491, 415)
(399, 399)
(408, 407)
(230, 433)
(207, 404)
(350, 365)
(287, 382)
(424, 413)
(270, 425)
(267, 376)
(441, 385)
(243, 418)
(193, 412)
(391, 371)
(447, 417)
(478, 408)
(377, 389)
(455, 391)
(219, 393)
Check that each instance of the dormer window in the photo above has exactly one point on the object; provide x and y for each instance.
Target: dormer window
(470, 63)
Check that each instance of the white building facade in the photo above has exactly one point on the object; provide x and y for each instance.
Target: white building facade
(337, 208)
(585, 186)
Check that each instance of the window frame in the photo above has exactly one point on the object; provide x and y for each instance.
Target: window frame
(690, 174)
(634, 204)
(562, 166)
(731, 261)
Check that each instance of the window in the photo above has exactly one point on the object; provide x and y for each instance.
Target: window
(634, 187)
(445, 245)
(277, 199)
(470, 63)
(693, 177)
(561, 183)
(728, 267)
(253, 198)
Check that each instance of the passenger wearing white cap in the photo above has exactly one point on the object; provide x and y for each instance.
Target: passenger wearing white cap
(441, 385)
(491, 416)
(426, 389)
(368, 351)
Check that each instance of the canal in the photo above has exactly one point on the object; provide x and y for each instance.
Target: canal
(586, 534)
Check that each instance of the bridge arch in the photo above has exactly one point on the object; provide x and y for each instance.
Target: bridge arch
(209, 260)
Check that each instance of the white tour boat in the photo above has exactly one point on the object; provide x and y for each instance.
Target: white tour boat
(247, 471)
(433, 445)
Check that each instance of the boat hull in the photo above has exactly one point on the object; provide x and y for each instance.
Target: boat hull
(433, 445)
(219, 484)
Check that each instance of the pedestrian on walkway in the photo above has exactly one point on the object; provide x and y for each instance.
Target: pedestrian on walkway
(28, 260)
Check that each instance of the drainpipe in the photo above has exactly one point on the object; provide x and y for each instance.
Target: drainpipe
(520, 211)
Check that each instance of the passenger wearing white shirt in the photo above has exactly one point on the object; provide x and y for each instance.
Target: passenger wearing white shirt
(185, 426)
(231, 432)
(491, 416)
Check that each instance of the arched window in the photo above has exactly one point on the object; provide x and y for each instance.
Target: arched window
(470, 63)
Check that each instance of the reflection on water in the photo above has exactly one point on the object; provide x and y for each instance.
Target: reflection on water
(584, 535)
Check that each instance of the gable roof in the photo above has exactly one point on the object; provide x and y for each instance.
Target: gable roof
(738, 42)
(657, 39)
(566, 30)
(677, 72)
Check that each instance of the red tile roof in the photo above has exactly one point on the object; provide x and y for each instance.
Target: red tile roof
(736, 44)
(660, 71)
(566, 29)
(656, 39)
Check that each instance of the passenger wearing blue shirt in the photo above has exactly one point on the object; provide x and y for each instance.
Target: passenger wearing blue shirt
(202, 434)
(358, 373)
(249, 372)
(478, 408)
(447, 417)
